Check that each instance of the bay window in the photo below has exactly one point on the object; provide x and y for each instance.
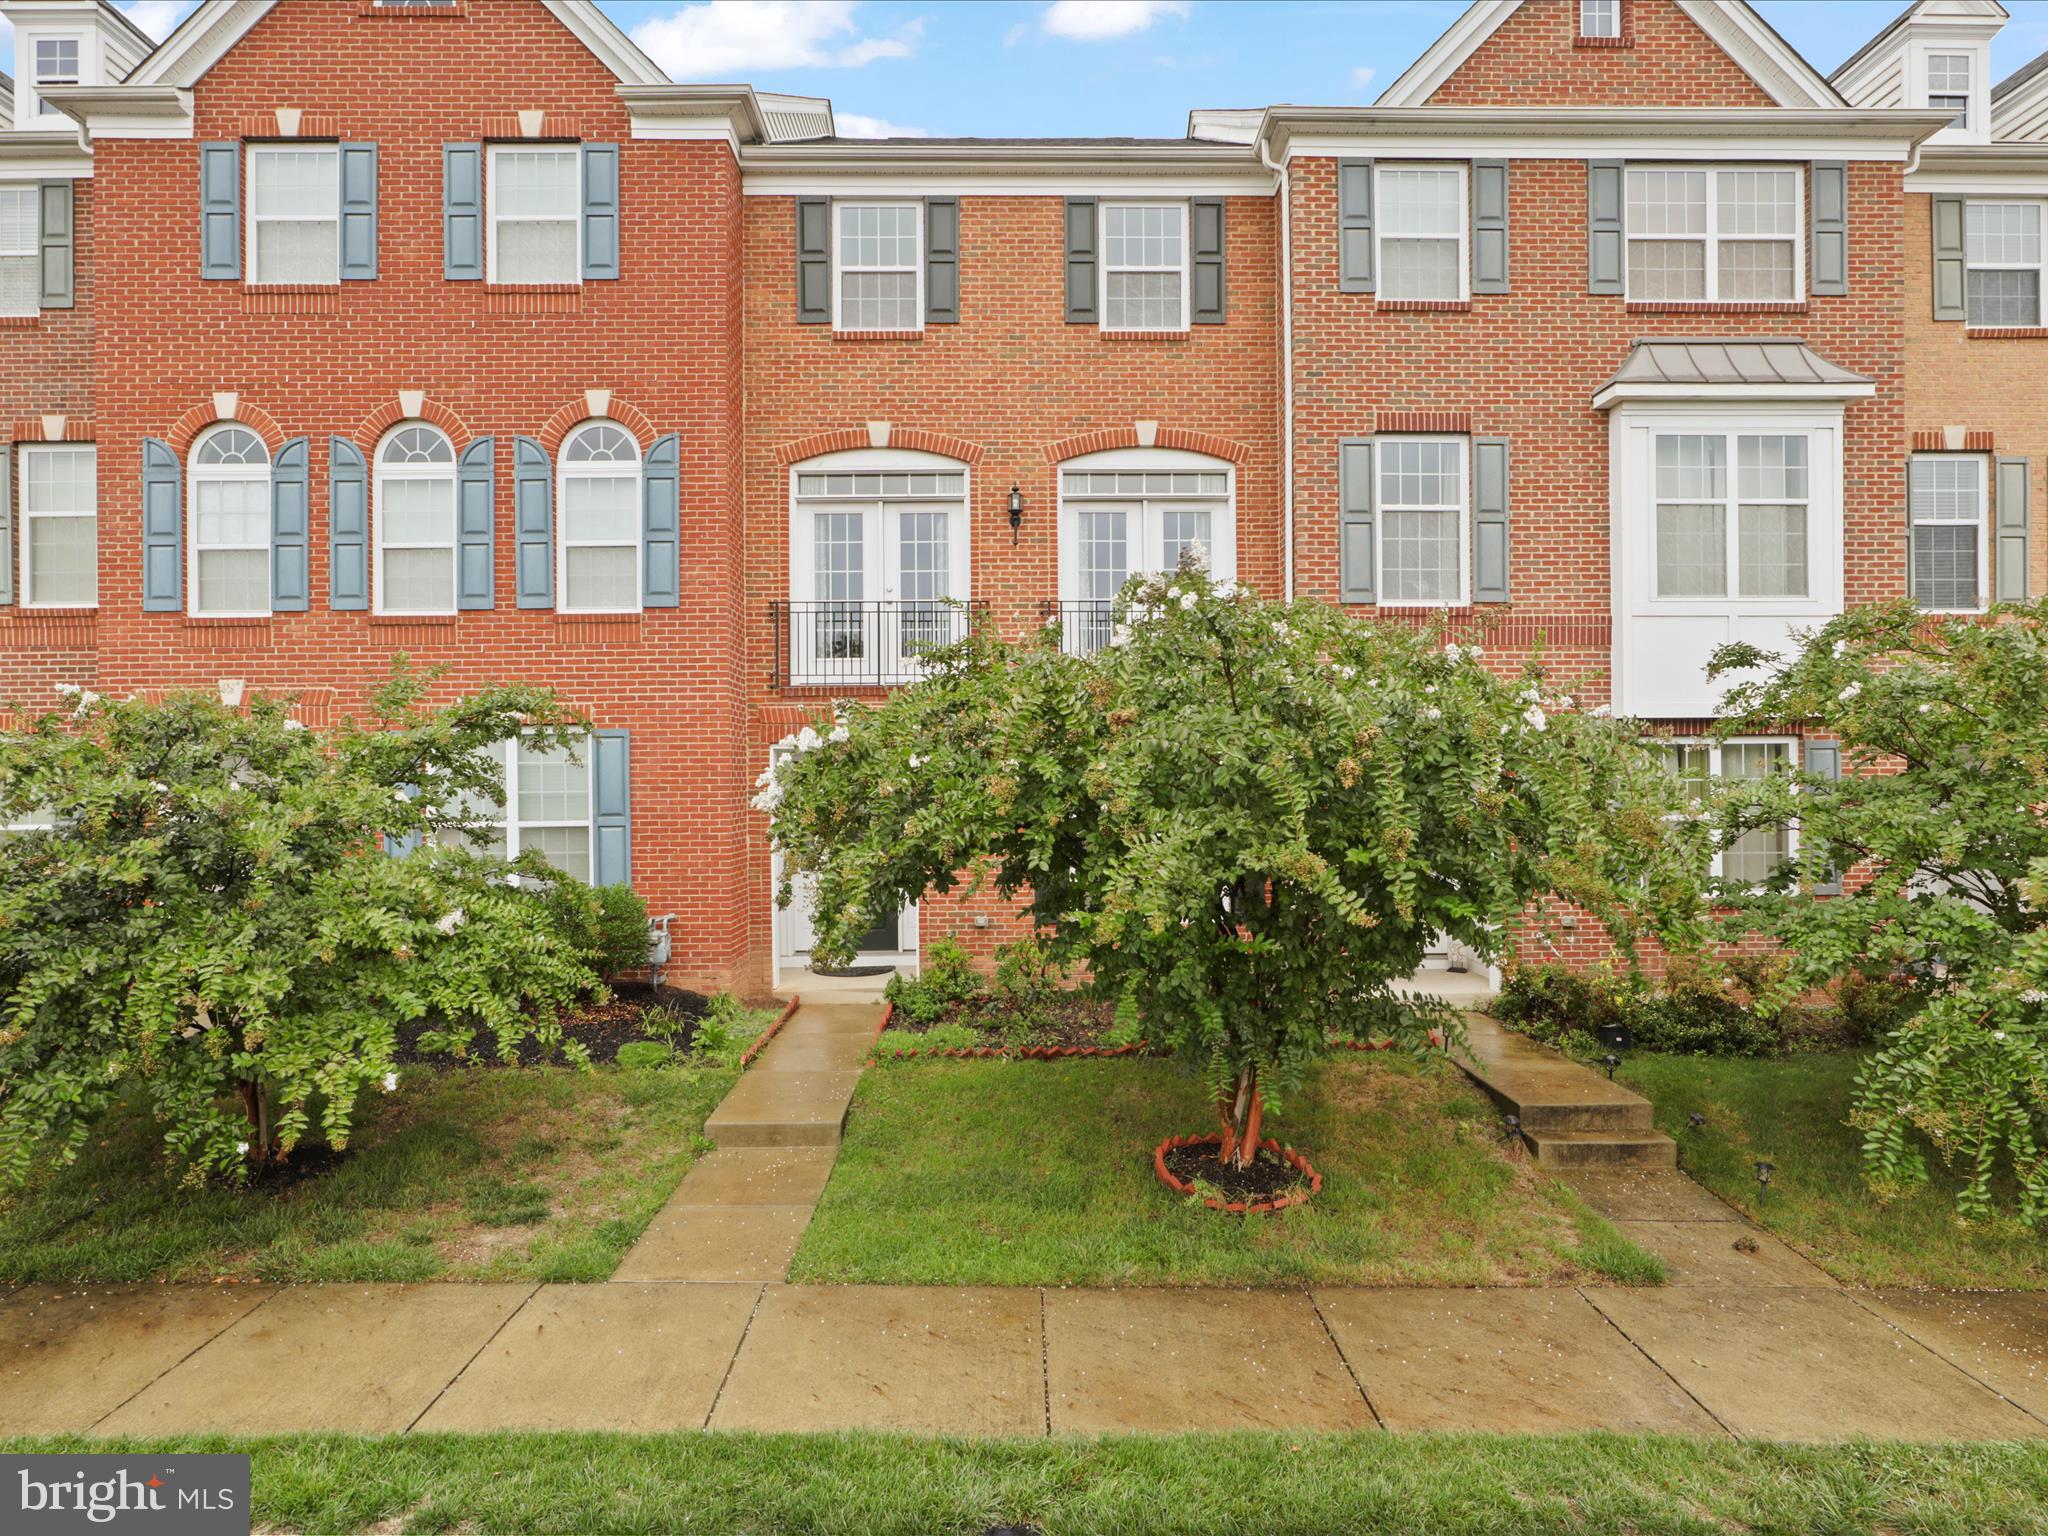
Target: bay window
(229, 574)
(1708, 235)
(880, 267)
(1144, 267)
(536, 206)
(60, 540)
(1741, 533)
(1948, 501)
(415, 522)
(294, 213)
(599, 527)
(1421, 230)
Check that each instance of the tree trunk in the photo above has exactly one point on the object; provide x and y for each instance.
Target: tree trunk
(256, 1106)
(1240, 1112)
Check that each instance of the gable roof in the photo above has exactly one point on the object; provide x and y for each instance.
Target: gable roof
(1755, 46)
(201, 40)
(1956, 9)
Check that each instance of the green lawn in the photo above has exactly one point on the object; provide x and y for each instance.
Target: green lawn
(1368, 1484)
(1029, 1173)
(481, 1174)
(1792, 1111)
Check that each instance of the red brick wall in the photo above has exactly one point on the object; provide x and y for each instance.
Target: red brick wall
(664, 339)
(1011, 382)
(1536, 58)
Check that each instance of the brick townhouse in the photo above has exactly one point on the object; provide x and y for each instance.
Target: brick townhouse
(335, 329)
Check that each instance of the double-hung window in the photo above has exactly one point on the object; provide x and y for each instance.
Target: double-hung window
(1136, 512)
(56, 63)
(1754, 856)
(2002, 253)
(1728, 235)
(1948, 86)
(1732, 514)
(416, 522)
(880, 269)
(60, 526)
(20, 259)
(599, 527)
(295, 213)
(1947, 499)
(546, 808)
(1421, 224)
(230, 560)
(1599, 18)
(1422, 505)
(1144, 267)
(536, 203)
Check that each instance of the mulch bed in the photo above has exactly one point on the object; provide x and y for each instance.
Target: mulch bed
(1278, 1177)
(1072, 1026)
(601, 1028)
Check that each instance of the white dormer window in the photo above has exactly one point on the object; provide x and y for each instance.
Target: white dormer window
(56, 63)
(1599, 18)
(1948, 85)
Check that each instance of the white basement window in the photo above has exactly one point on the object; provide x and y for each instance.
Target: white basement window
(20, 259)
(599, 526)
(229, 574)
(60, 526)
(1742, 534)
(294, 213)
(536, 203)
(1754, 856)
(880, 284)
(1728, 235)
(1144, 267)
(416, 522)
(2002, 253)
(1422, 515)
(1420, 226)
(1946, 495)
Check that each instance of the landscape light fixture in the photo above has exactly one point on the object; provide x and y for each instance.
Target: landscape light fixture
(1763, 1178)
(1696, 1119)
(1610, 1061)
(1016, 512)
(1514, 1127)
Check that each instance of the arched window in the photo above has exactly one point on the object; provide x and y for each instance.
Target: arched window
(1132, 512)
(230, 562)
(598, 531)
(415, 522)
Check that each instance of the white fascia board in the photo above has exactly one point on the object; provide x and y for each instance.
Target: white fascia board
(728, 112)
(940, 183)
(199, 42)
(1718, 396)
(1764, 56)
(58, 156)
(1457, 43)
(602, 36)
(1573, 133)
(1988, 169)
(125, 111)
(1759, 148)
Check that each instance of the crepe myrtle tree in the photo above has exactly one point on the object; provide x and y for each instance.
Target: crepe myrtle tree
(203, 913)
(1940, 819)
(1247, 819)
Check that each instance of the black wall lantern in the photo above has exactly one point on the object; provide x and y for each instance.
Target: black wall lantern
(1016, 512)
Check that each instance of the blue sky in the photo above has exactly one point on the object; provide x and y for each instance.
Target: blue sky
(1029, 67)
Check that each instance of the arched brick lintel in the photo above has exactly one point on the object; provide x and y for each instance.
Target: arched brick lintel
(200, 417)
(911, 439)
(392, 412)
(577, 411)
(1183, 438)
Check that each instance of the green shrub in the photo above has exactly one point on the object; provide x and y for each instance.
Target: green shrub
(645, 1053)
(1689, 1013)
(946, 983)
(607, 923)
(1027, 975)
(725, 1029)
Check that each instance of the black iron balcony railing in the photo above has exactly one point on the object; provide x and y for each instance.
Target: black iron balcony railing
(1085, 628)
(862, 645)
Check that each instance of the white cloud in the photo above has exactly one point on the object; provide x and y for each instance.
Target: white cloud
(1362, 76)
(734, 39)
(156, 17)
(858, 125)
(1095, 21)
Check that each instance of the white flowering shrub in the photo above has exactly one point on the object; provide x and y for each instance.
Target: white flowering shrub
(1247, 819)
(1941, 812)
(211, 923)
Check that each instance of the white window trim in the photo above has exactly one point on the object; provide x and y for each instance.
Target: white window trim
(1984, 473)
(33, 252)
(492, 218)
(1380, 233)
(1792, 765)
(42, 109)
(1614, 31)
(25, 588)
(332, 152)
(564, 473)
(195, 475)
(1712, 235)
(1223, 550)
(916, 205)
(1103, 268)
(1733, 599)
(1463, 512)
(382, 473)
(2039, 268)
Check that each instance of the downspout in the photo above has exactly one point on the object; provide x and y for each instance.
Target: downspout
(1286, 357)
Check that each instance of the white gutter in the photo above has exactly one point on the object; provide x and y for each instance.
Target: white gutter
(1282, 187)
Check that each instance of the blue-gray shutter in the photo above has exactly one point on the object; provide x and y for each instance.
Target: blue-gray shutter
(611, 798)
(462, 212)
(1355, 530)
(1489, 519)
(1951, 299)
(348, 526)
(6, 523)
(220, 210)
(942, 261)
(533, 523)
(814, 260)
(291, 528)
(59, 247)
(2014, 526)
(600, 212)
(661, 510)
(1824, 760)
(163, 528)
(400, 844)
(1205, 247)
(358, 212)
(476, 526)
(1606, 226)
(1354, 226)
(1489, 226)
(1830, 235)
(1082, 304)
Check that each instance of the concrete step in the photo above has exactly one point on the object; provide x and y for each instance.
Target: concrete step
(783, 1109)
(1602, 1149)
(1559, 1119)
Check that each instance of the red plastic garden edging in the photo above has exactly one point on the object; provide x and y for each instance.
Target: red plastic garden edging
(1287, 1155)
(1022, 1052)
(761, 1040)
